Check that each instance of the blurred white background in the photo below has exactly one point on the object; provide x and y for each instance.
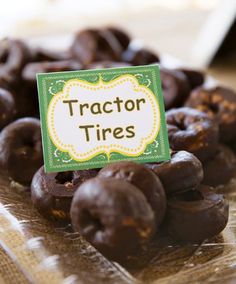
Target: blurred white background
(30, 17)
(167, 26)
(158, 23)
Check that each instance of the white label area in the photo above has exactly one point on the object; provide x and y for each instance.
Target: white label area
(86, 119)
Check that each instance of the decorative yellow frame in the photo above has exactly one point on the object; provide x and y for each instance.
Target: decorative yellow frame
(81, 157)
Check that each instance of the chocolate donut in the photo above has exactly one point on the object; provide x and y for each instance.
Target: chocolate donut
(219, 103)
(140, 56)
(175, 87)
(31, 69)
(13, 55)
(196, 215)
(113, 215)
(195, 77)
(7, 107)
(143, 179)
(21, 149)
(183, 172)
(96, 45)
(221, 168)
(193, 131)
(52, 193)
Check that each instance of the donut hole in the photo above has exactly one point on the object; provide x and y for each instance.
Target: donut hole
(177, 120)
(79, 179)
(214, 107)
(190, 196)
(64, 178)
(4, 57)
(101, 43)
(90, 223)
(180, 124)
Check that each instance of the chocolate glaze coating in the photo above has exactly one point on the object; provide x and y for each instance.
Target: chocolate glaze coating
(113, 215)
(96, 45)
(141, 56)
(106, 64)
(7, 107)
(21, 149)
(183, 172)
(122, 37)
(175, 87)
(232, 145)
(13, 55)
(40, 54)
(52, 193)
(221, 168)
(195, 77)
(196, 215)
(193, 131)
(219, 103)
(31, 69)
(144, 180)
(26, 99)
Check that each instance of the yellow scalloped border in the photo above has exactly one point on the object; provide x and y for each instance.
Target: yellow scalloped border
(82, 157)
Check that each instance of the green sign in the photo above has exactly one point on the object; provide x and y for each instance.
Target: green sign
(94, 117)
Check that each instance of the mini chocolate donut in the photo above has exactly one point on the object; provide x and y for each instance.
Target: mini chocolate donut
(183, 172)
(106, 64)
(121, 36)
(140, 56)
(221, 168)
(144, 180)
(96, 45)
(26, 97)
(196, 215)
(220, 103)
(21, 149)
(13, 55)
(31, 69)
(195, 77)
(193, 131)
(175, 87)
(113, 215)
(7, 107)
(52, 193)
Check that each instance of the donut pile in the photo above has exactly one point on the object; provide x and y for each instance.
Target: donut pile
(121, 207)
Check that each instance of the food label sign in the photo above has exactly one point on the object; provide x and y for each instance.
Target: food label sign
(94, 117)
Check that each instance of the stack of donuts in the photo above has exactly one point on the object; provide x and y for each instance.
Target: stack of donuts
(121, 207)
